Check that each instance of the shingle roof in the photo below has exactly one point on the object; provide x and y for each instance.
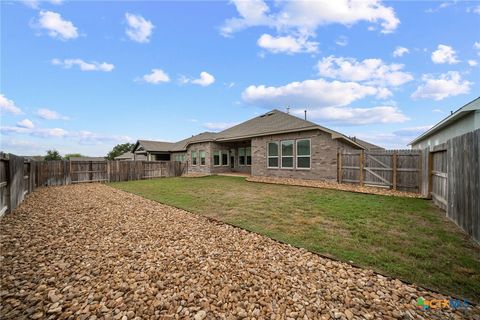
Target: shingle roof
(367, 145)
(272, 122)
(155, 146)
(125, 155)
(269, 123)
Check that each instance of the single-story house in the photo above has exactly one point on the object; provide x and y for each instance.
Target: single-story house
(87, 159)
(273, 144)
(464, 120)
(129, 156)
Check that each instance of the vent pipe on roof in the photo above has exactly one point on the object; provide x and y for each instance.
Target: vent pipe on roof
(305, 114)
(288, 110)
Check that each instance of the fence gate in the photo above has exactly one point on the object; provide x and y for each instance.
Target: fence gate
(438, 178)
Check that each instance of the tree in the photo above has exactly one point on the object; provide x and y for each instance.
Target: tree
(72, 155)
(53, 155)
(120, 149)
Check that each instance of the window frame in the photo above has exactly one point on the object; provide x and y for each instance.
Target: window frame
(219, 152)
(292, 156)
(222, 152)
(194, 162)
(246, 157)
(303, 156)
(240, 157)
(277, 156)
(204, 157)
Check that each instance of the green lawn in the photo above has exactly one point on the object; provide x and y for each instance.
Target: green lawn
(406, 238)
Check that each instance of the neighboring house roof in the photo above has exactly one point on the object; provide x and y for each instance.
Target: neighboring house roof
(87, 159)
(125, 156)
(472, 106)
(270, 123)
(367, 145)
(154, 146)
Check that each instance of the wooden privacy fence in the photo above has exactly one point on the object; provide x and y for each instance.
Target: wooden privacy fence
(19, 177)
(452, 180)
(393, 169)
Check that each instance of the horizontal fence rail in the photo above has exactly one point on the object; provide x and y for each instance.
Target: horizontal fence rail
(391, 169)
(18, 177)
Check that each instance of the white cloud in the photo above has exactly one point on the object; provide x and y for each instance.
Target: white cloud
(342, 41)
(156, 76)
(25, 123)
(374, 71)
(139, 29)
(437, 110)
(34, 4)
(81, 137)
(400, 51)
(50, 115)
(56, 26)
(356, 116)
(205, 79)
(472, 63)
(475, 9)
(83, 65)
(287, 44)
(7, 105)
(476, 45)
(219, 126)
(37, 132)
(446, 85)
(444, 54)
(306, 16)
(311, 93)
(412, 131)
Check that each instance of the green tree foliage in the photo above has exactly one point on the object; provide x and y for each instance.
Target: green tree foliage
(72, 155)
(53, 155)
(120, 149)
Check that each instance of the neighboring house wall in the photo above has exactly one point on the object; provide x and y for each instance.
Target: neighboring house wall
(323, 150)
(463, 125)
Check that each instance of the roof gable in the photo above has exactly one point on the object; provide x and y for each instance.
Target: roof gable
(473, 105)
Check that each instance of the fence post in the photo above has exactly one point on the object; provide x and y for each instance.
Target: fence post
(394, 165)
(339, 171)
(430, 169)
(362, 164)
(108, 171)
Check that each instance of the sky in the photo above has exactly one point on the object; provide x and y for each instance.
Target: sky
(83, 76)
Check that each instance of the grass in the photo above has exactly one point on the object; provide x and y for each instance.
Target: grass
(406, 238)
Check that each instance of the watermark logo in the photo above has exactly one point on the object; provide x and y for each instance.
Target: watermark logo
(442, 304)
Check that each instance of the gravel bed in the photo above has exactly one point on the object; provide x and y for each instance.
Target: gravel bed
(93, 252)
(334, 185)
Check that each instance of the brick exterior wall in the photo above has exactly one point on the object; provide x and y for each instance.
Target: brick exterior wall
(323, 160)
(323, 150)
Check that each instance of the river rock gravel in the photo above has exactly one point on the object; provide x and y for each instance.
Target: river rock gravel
(93, 252)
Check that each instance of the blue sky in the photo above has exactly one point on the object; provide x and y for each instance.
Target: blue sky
(82, 76)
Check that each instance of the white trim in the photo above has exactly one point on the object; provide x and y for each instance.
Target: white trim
(277, 156)
(200, 158)
(303, 156)
(196, 158)
(292, 156)
(219, 158)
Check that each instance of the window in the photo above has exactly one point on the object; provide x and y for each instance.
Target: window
(216, 158)
(303, 154)
(272, 155)
(202, 157)
(180, 157)
(194, 158)
(248, 152)
(287, 154)
(241, 156)
(224, 158)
